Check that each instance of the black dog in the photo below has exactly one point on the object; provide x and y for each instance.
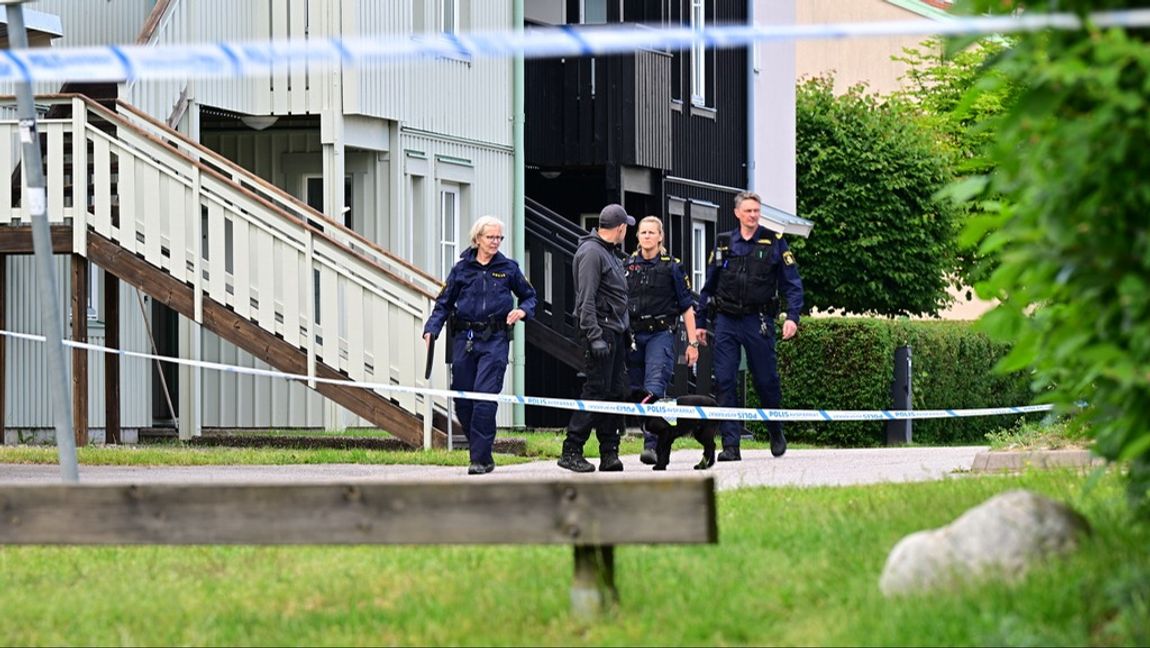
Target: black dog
(703, 430)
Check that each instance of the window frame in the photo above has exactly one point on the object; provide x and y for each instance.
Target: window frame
(698, 55)
(699, 253)
(449, 246)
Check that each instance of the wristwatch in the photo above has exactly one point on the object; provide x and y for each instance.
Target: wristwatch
(693, 345)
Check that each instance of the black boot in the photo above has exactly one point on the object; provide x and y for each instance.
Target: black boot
(572, 459)
(778, 441)
(730, 453)
(609, 460)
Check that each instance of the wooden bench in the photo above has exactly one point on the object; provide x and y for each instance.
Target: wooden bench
(593, 514)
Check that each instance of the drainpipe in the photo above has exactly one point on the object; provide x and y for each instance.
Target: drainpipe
(751, 72)
(519, 344)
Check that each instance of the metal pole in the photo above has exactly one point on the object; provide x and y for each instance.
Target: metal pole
(36, 202)
(898, 432)
(518, 231)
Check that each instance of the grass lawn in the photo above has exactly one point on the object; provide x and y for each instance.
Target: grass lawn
(540, 445)
(794, 566)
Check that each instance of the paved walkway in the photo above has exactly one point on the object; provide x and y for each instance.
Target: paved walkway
(758, 468)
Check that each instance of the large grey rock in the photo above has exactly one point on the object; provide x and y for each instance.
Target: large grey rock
(1003, 536)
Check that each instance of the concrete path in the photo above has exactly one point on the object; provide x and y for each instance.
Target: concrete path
(758, 468)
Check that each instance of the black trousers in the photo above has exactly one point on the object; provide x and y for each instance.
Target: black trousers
(606, 380)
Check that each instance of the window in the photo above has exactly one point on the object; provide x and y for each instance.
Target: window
(674, 14)
(593, 12)
(449, 16)
(444, 16)
(698, 55)
(699, 253)
(449, 229)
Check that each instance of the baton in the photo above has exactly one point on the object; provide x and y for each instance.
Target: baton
(430, 359)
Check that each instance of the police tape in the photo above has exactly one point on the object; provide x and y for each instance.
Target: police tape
(264, 58)
(666, 409)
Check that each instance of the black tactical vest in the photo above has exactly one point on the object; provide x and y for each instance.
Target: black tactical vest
(651, 288)
(747, 284)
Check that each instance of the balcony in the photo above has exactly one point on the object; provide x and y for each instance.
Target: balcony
(598, 111)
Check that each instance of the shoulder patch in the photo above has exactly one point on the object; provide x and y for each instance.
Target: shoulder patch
(788, 258)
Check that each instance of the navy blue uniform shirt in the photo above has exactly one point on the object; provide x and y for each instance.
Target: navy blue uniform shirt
(480, 293)
(790, 285)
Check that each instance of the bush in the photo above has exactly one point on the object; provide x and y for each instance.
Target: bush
(847, 364)
(868, 172)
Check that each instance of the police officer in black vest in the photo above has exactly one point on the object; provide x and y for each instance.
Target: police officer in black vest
(479, 297)
(747, 270)
(659, 294)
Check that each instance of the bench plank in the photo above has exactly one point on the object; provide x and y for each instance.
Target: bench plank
(589, 512)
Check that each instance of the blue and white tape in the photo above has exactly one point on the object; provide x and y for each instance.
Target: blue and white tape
(262, 58)
(664, 410)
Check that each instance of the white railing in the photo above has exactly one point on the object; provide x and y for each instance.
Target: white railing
(234, 238)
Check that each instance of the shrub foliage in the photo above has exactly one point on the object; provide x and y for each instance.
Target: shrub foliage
(847, 364)
(867, 175)
(1071, 233)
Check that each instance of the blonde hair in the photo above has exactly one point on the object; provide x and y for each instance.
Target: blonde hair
(480, 224)
(658, 222)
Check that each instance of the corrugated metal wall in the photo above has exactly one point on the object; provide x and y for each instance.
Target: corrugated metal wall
(97, 22)
(463, 98)
(90, 23)
(28, 396)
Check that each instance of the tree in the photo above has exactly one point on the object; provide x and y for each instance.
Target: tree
(1072, 235)
(867, 174)
(960, 96)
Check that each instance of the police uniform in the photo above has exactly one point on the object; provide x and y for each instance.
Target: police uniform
(478, 298)
(740, 298)
(658, 293)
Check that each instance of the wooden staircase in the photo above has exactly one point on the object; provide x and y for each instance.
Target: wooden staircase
(234, 253)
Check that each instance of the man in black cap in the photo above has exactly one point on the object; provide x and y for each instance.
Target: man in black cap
(601, 314)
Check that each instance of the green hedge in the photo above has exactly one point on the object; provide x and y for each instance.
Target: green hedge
(847, 364)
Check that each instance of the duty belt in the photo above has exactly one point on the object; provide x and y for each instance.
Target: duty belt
(649, 324)
(484, 329)
(769, 309)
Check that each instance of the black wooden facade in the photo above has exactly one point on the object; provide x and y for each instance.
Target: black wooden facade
(626, 129)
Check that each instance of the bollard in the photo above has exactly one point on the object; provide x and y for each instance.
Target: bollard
(898, 431)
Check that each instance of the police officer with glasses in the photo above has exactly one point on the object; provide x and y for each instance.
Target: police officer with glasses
(479, 298)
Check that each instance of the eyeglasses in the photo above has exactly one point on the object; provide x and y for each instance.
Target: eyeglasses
(493, 238)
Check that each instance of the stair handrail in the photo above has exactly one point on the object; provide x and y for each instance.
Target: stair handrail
(279, 199)
(554, 218)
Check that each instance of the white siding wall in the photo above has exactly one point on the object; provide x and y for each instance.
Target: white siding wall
(467, 99)
(90, 23)
(28, 396)
(464, 99)
(97, 22)
(158, 97)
